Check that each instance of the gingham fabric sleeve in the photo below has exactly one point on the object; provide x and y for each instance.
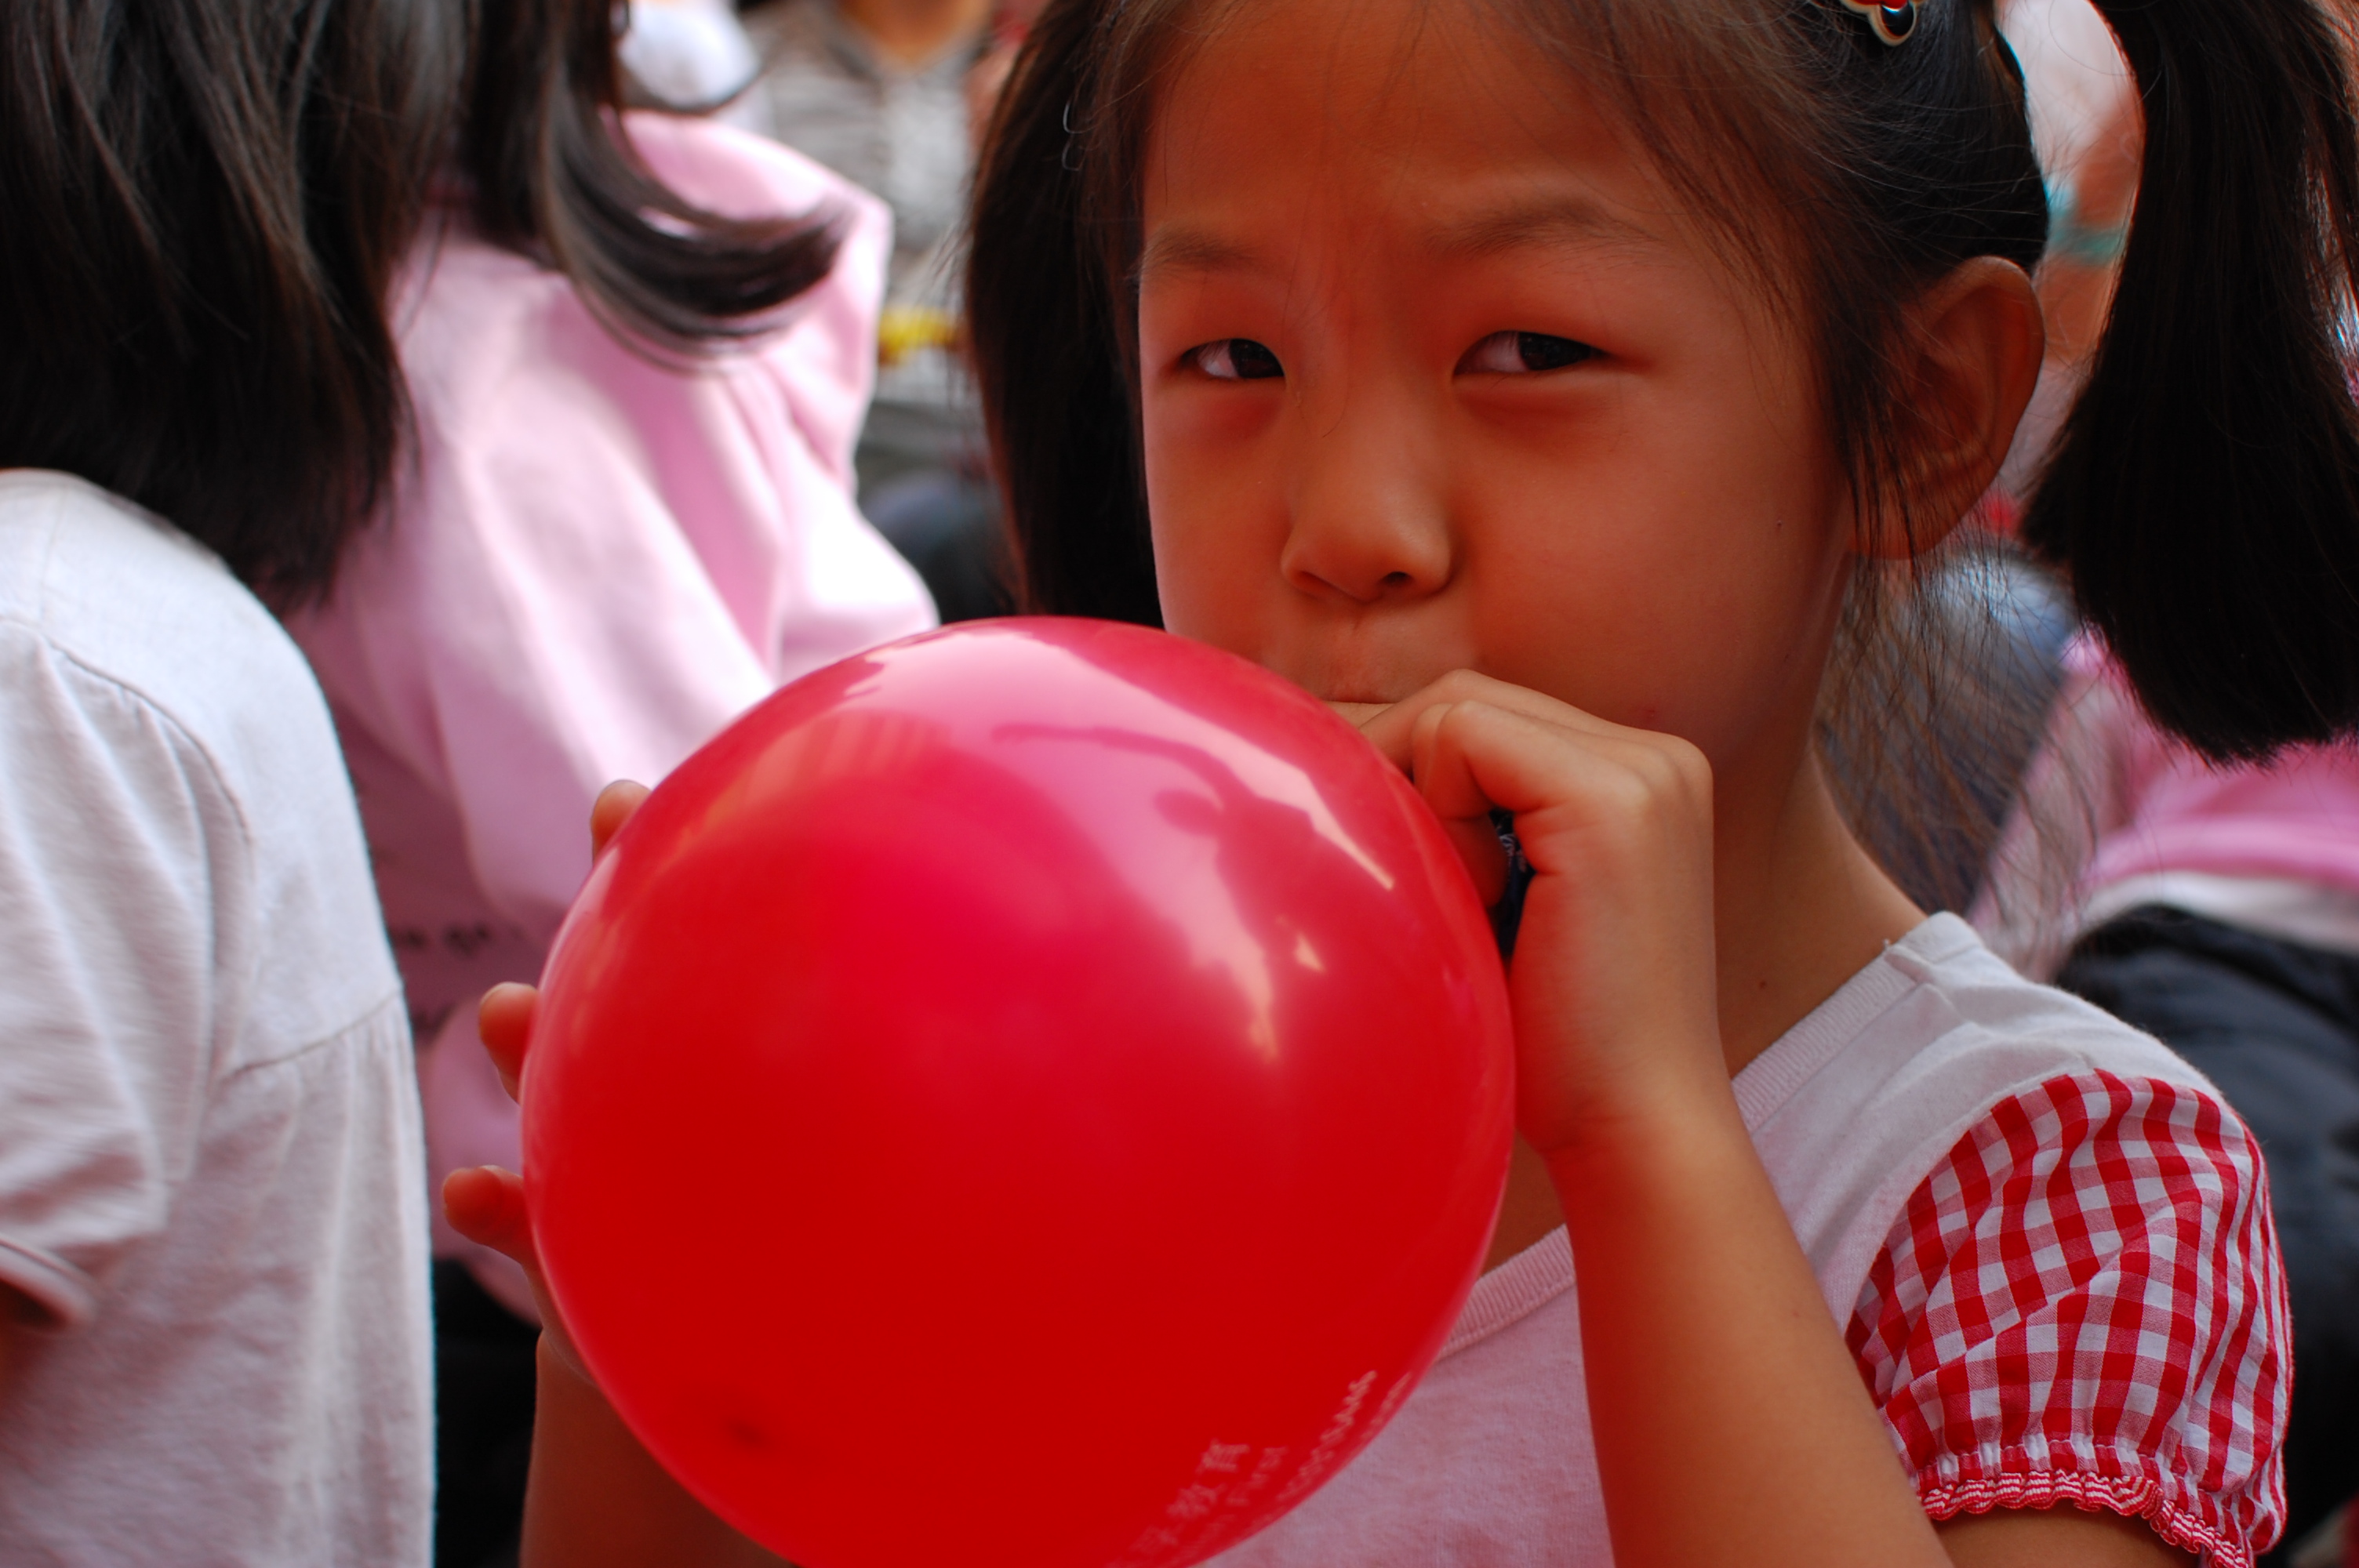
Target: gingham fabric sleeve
(2084, 1303)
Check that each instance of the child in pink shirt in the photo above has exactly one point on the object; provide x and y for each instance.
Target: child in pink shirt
(2117, 815)
(635, 382)
(600, 560)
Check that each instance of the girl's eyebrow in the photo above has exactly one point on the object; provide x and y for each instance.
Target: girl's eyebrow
(1554, 221)
(1559, 222)
(1184, 247)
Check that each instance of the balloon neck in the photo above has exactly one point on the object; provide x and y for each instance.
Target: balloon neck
(1507, 915)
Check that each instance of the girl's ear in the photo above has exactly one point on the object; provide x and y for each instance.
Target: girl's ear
(1973, 347)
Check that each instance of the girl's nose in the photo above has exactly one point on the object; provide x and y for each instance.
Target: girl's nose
(1368, 522)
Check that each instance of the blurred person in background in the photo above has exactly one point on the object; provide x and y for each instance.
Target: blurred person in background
(215, 1343)
(892, 95)
(687, 55)
(638, 347)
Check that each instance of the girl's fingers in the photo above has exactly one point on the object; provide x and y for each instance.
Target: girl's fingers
(1477, 843)
(1474, 745)
(610, 811)
(505, 1018)
(1469, 757)
(1392, 730)
(485, 1205)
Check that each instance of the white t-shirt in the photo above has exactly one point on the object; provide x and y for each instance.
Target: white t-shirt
(211, 1167)
(2000, 1189)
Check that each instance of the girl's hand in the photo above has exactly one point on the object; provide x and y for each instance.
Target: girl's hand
(485, 1205)
(596, 1497)
(1615, 992)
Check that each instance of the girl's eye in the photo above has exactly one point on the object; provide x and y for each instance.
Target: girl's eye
(1521, 353)
(1237, 359)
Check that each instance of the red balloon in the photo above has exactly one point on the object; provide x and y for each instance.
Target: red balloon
(1035, 1094)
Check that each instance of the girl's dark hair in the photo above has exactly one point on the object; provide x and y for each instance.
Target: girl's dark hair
(2205, 494)
(2203, 499)
(553, 179)
(204, 203)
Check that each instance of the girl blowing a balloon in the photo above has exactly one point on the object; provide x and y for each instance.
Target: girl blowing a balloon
(1569, 390)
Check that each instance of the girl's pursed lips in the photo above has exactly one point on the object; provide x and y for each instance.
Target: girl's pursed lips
(1355, 713)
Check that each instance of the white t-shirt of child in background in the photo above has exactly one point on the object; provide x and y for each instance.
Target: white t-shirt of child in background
(211, 1174)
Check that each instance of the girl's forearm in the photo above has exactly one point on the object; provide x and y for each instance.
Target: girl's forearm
(1730, 1423)
(597, 1499)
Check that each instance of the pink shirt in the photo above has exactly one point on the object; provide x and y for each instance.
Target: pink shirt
(598, 562)
(2165, 809)
(2114, 813)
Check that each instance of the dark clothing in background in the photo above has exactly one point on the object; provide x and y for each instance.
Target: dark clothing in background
(485, 1380)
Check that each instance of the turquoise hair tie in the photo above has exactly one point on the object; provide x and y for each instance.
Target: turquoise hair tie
(2071, 237)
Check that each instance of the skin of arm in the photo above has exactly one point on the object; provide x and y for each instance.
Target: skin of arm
(596, 1497)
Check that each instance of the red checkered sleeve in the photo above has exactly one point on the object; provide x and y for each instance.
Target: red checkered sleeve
(2084, 1303)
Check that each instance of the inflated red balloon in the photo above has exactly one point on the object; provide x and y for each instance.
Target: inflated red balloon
(1035, 1094)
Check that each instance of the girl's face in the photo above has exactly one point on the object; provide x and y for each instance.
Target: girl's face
(1436, 375)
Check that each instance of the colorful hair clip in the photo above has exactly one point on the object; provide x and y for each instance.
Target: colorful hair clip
(1893, 24)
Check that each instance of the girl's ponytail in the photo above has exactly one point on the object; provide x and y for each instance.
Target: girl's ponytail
(2205, 494)
(1050, 355)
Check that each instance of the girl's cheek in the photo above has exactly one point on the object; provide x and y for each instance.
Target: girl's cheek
(1216, 551)
(1211, 469)
(1194, 415)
